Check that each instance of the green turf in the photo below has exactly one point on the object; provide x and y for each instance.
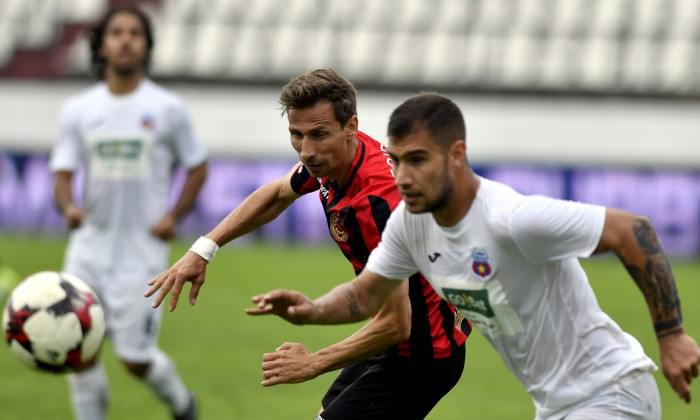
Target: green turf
(218, 349)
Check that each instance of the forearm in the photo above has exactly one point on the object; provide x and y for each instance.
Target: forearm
(391, 326)
(63, 193)
(646, 262)
(353, 301)
(193, 184)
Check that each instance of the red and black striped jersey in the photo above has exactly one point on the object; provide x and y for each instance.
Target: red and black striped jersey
(356, 213)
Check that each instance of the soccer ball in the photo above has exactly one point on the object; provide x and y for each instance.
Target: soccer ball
(54, 321)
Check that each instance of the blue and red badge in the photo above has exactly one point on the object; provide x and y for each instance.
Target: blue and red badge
(148, 123)
(481, 264)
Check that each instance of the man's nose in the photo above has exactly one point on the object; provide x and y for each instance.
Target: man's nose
(401, 176)
(307, 149)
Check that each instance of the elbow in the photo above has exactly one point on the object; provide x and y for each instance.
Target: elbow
(404, 332)
(398, 331)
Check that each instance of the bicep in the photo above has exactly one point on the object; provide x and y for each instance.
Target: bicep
(284, 189)
(374, 290)
(622, 230)
(397, 306)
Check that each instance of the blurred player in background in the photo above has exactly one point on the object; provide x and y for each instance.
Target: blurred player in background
(401, 363)
(127, 133)
(510, 263)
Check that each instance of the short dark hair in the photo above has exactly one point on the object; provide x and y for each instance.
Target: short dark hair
(438, 115)
(318, 85)
(96, 37)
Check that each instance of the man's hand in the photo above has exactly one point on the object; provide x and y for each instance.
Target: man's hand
(190, 268)
(73, 216)
(290, 305)
(165, 228)
(291, 363)
(679, 361)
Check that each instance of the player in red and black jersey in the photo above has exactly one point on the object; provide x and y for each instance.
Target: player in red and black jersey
(411, 354)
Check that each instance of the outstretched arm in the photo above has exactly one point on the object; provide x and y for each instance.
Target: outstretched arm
(634, 241)
(344, 304)
(293, 363)
(261, 207)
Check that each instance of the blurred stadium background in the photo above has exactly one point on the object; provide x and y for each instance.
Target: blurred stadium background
(591, 100)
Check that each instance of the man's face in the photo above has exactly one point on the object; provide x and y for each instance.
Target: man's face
(124, 45)
(323, 146)
(421, 172)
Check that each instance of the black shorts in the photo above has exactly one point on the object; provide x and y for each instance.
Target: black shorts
(391, 387)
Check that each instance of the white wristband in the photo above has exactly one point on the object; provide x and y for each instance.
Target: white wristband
(205, 248)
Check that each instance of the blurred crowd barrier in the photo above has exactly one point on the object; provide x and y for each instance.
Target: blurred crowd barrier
(670, 198)
(628, 47)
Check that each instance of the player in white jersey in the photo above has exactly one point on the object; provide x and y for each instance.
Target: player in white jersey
(510, 263)
(125, 134)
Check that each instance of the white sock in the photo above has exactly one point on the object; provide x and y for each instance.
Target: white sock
(164, 381)
(89, 393)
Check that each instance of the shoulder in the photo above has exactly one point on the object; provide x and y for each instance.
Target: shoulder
(164, 95)
(375, 170)
(498, 199)
(84, 98)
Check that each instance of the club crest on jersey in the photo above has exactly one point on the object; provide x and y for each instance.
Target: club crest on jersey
(481, 264)
(337, 231)
(148, 122)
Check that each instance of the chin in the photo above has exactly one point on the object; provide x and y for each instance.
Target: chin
(414, 208)
(126, 70)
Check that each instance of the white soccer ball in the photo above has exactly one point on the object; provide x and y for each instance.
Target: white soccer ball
(54, 321)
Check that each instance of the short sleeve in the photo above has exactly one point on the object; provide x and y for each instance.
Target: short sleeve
(190, 150)
(391, 258)
(547, 229)
(302, 182)
(67, 150)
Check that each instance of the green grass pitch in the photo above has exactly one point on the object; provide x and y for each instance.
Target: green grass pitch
(218, 349)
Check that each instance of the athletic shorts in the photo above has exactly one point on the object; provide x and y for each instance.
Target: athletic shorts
(635, 396)
(388, 386)
(131, 323)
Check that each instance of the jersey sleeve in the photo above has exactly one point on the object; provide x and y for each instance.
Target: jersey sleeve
(391, 258)
(547, 229)
(190, 151)
(302, 182)
(67, 150)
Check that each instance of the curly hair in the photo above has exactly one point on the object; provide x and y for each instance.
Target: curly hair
(96, 37)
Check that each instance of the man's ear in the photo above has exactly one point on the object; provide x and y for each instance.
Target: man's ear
(351, 126)
(458, 152)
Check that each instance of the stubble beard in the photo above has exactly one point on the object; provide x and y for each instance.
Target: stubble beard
(440, 202)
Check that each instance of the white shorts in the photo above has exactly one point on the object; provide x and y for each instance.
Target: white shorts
(132, 325)
(634, 396)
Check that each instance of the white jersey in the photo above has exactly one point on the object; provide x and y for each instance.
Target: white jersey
(127, 146)
(511, 267)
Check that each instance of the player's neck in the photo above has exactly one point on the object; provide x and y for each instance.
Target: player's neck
(119, 84)
(343, 175)
(460, 201)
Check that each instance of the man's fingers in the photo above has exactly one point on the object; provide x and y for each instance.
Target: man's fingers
(153, 281)
(194, 289)
(258, 311)
(164, 286)
(679, 384)
(268, 357)
(285, 346)
(174, 295)
(272, 381)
